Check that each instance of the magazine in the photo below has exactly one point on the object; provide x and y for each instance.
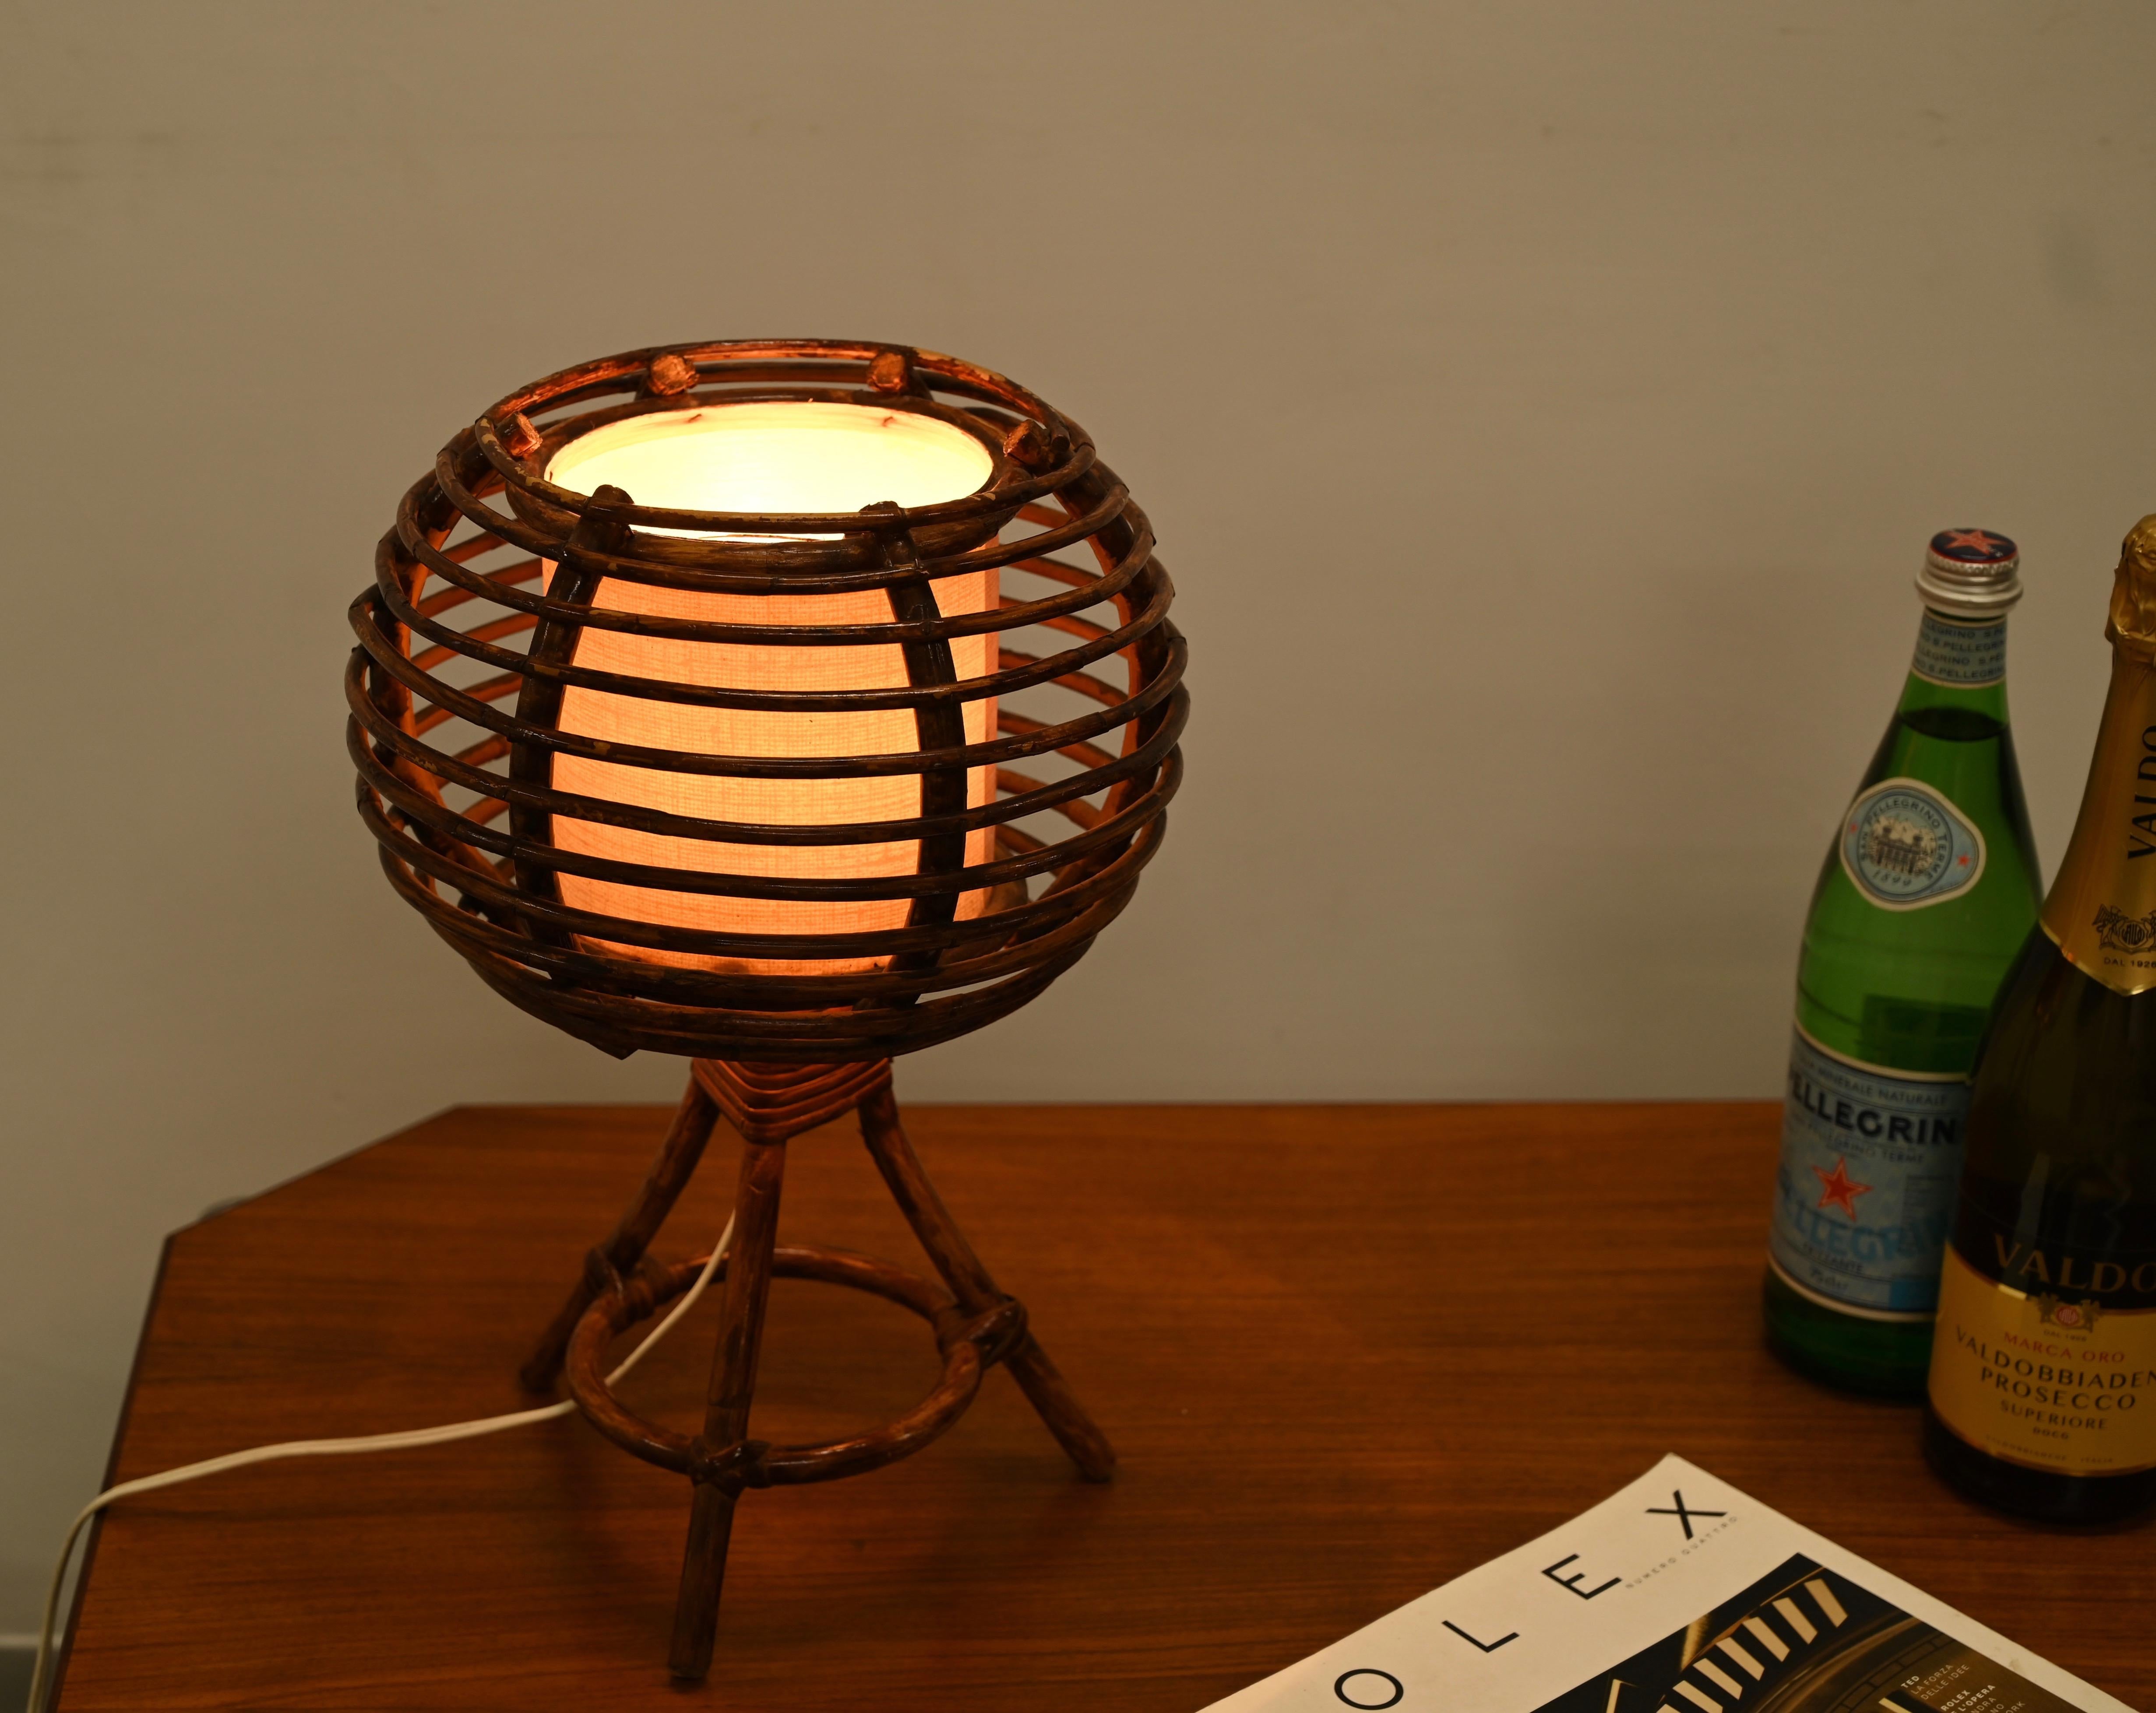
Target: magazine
(1677, 1594)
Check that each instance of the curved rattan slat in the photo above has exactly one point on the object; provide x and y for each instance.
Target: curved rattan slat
(424, 814)
(1092, 650)
(503, 591)
(445, 766)
(452, 731)
(814, 567)
(471, 703)
(1032, 927)
(789, 578)
(953, 375)
(418, 806)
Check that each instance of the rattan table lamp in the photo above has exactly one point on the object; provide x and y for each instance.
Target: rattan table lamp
(685, 707)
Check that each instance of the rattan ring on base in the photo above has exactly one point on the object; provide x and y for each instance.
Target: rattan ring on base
(968, 1344)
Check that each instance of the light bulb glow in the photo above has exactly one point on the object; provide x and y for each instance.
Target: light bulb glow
(765, 458)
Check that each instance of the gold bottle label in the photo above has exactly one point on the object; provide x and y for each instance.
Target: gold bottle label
(2102, 908)
(2050, 1380)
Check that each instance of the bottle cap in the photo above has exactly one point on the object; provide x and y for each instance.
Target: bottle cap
(2132, 625)
(1976, 573)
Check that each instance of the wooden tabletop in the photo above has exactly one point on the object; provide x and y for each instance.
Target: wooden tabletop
(1345, 1352)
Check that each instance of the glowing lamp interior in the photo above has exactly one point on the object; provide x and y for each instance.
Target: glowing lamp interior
(774, 457)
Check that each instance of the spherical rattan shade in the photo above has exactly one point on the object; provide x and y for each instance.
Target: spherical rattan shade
(750, 781)
(789, 456)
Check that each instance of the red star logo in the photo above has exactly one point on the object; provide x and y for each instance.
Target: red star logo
(1981, 541)
(1842, 1190)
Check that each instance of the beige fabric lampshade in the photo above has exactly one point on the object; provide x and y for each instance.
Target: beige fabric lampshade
(796, 456)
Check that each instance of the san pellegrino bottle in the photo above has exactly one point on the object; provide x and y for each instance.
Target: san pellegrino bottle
(2043, 1381)
(1924, 898)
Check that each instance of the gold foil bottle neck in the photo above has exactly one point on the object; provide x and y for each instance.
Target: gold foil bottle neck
(2102, 908)
(2132, 625)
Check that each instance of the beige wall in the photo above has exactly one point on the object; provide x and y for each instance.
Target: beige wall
(1543, 407)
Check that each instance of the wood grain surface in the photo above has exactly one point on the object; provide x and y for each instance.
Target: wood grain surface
(1344, 1352)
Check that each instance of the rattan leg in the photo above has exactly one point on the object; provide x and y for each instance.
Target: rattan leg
(726, 1405)
(619, 1254)
(1042, 1382)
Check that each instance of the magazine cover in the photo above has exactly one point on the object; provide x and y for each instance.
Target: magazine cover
(1677, 1594)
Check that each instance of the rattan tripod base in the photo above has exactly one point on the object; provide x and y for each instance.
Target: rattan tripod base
(976, 1325)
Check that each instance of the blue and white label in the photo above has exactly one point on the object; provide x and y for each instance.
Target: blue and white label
(1962, 656)
(1904, 846)
(1871, 1160)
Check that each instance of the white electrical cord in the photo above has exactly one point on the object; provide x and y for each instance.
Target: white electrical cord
(404, 1441)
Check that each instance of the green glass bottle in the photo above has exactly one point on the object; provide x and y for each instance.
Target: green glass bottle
(1924, 898)
(2043, 1382)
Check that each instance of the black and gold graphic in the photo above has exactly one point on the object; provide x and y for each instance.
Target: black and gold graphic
(1804, 1639)
(2117, 932)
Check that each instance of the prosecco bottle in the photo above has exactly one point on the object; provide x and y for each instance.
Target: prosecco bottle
(2043, 1378)
(1927, 893)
